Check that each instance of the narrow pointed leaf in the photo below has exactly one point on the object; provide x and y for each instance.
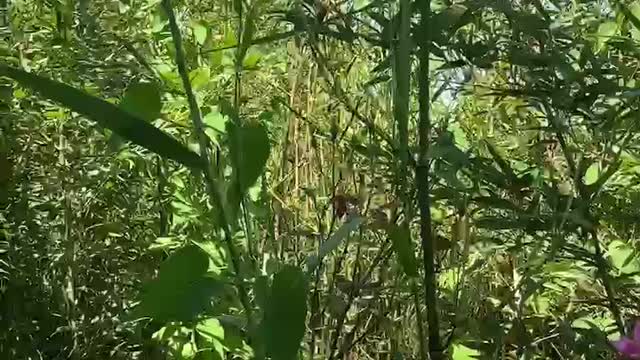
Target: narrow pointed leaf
(333, 242)
(110, 116)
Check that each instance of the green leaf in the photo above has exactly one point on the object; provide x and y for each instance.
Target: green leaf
(216, 121)
(182, 290)
(359, 4)
(247, 34)
(199, 77)
(632, 13)
(251, 60)
(212, 334)
(142, 100)
(623, 257)
(284, 318)
(211, 328)
(249, 149)
(108, 115)
(461, 352)
(401, 239)
(605, 31)
(592, 174)
(333, 242)
(199, 32)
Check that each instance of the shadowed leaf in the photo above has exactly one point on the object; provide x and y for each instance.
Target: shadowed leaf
(284, 318)
(107, 115)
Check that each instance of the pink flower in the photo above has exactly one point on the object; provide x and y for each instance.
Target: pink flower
(630, 347)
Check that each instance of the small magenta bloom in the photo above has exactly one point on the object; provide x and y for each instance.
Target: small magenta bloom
(629, 347)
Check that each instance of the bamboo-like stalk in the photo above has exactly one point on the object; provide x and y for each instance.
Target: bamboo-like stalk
(422, 182)
(401, 105)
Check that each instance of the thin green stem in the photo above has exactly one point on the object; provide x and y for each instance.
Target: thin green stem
(402, 97)
(606, 282)
(213, 187)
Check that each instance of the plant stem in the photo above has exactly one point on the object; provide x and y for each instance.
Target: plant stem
(402, 97)
(601, 264)
(606, 282)
(213, 187)
(422, 182)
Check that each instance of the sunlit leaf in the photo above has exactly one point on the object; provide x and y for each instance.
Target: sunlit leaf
(216, 121)
(212, 333)
(461, 352)
(334, 241)
(359, 4)
(605, 31)
(623, 257)
(199, 32)
(632, 13)
(199, 77)
(251, 60)
(592, 174)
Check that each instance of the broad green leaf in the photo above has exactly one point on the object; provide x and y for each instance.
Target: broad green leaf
(589, 322)
(216, 121)
(333, 242)
(284, 318)
(142, 100)
(199, 77)
(632, 13)
(251, 60)
(401, 239)
(359, 4)
(212, 332)
(182, 290)
(211, 328)
(108, 115)
(634, 9)
(249, 149)
(605, 31)
(199, 32)
(461, 352)
(592, 174)
(623, 257)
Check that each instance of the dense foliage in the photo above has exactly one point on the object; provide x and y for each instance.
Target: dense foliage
(308, 179)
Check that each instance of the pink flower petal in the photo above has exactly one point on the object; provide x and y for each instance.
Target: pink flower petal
(628, 347)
